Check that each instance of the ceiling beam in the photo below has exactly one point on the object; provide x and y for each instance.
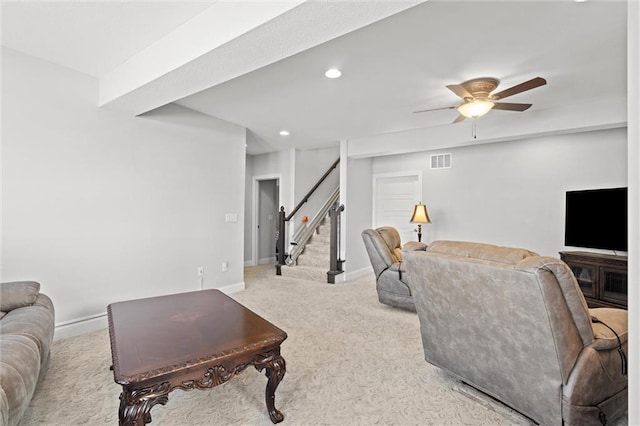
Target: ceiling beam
(230, 39)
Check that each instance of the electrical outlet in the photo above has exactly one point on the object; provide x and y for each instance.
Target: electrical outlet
(200, 271)
(225, 266)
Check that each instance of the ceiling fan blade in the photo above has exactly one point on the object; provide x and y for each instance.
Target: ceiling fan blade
(522, 87)
(511, 106)
(459, 119)
(434, 109)
(459, 90)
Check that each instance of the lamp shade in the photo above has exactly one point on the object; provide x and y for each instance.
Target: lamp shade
(420, 214)
(476, 108)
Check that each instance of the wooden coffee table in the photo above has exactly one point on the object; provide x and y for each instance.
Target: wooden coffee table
(187, 341)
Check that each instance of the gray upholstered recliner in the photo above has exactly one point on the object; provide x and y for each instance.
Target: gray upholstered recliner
(385, 253)
(516, 326)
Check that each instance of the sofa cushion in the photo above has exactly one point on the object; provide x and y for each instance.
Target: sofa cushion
(19, 372)
(481, 251)
(18, 294)
(34, 322)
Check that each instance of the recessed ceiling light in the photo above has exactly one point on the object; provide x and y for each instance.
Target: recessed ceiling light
(333, 73)
(284, 133)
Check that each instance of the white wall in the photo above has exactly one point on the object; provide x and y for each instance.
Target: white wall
(100, 207)
(513, 193)
(248, 203)
(356, 194)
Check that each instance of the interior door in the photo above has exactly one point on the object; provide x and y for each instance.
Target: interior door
(394, 198)
(267, 220)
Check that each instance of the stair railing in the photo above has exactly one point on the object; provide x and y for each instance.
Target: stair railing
(304, 233)
(283, 218)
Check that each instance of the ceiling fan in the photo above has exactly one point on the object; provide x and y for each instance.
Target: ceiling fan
(478, 99)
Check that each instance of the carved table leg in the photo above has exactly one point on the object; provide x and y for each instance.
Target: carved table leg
(136, 405)
(275, 370)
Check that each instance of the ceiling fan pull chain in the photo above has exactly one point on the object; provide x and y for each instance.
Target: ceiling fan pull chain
(473, 128)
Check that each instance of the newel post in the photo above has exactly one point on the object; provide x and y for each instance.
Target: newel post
(335, 264)
(280, 242)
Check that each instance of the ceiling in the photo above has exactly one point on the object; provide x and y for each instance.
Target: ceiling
(92, 37)
(396, 58)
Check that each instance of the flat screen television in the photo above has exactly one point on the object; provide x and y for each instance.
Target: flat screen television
(597, 219)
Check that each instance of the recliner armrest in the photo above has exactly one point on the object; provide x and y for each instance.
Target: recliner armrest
(603, 336)
(414, 246)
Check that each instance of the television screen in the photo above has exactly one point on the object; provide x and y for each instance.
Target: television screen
(596, 218)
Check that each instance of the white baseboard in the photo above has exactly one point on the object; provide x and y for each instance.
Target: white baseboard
(249, 263)
(79, 326)
(233, 288)
(96, 322)
(354, 275)
(267, 260)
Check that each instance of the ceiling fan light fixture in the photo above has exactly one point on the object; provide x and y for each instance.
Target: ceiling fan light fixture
(476, 108)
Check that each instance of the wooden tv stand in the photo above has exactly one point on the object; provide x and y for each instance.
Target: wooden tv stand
(602, 277)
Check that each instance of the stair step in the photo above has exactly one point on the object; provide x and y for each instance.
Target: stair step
(313, 263)
(323, 237)
(316, 261)
(315, 249)
(305, 273)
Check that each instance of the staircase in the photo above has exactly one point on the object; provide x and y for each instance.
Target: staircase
(316, 246)
(313, 263)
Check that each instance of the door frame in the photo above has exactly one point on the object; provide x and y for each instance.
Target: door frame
(377, 177)
(255, 211)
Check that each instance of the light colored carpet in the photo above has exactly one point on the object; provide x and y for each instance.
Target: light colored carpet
(350, 360)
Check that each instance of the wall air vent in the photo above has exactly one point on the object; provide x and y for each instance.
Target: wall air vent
(440, 161)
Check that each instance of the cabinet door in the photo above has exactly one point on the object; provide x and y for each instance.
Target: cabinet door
(613, 285)
(587, 276)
